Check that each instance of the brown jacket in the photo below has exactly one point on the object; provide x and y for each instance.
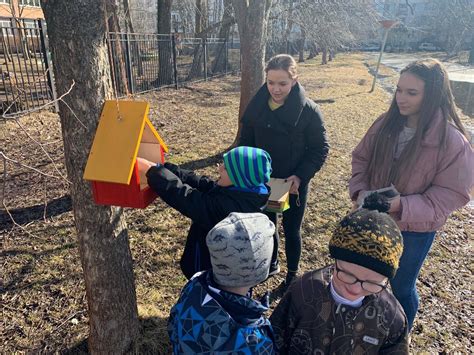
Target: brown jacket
(308, 321)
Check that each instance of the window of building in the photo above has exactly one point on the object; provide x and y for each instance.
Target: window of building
(29, 26)
(6, 26)
(5, 1)
(33, 3)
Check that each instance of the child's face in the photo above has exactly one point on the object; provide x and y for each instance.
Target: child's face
(354, 291)
(224, 179)
(279, 84)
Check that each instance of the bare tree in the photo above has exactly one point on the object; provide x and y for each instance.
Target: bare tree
(227, 21)
(451, 24)
(77, 32)
(252, 18)
(118, 26)
(165, 75)
(289, 24)
(302, 45)
(200, 26)
(322, 24)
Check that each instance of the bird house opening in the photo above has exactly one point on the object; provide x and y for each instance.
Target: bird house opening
(150, 149)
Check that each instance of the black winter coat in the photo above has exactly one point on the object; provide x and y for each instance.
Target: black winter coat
(293, 135)
(206, 203)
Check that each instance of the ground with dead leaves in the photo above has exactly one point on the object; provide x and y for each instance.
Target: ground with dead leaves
(43, 298)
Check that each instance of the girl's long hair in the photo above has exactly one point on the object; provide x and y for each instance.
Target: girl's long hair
(437, 96)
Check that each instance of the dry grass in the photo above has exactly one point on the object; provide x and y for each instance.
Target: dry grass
(43, 298)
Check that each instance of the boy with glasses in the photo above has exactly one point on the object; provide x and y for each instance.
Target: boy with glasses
(345, 307)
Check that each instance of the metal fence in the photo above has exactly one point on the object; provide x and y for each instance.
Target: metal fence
(139, 63)
(142, 62)
(26, 79)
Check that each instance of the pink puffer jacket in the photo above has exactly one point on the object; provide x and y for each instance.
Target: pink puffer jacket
(440, 181)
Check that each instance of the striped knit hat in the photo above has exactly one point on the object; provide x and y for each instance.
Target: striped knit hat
(369, 237)
(248, 167)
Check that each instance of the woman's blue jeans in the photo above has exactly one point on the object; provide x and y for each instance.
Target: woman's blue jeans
(415, 249)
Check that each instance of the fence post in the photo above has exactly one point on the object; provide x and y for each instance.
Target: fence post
(128, 60)
(205, 57)
(175, 65)
(47, 62)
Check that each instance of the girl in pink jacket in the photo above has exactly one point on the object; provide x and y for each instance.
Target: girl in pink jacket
(419, 145)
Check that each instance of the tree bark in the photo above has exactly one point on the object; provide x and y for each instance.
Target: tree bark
(289, 25)
(220, 59)
(252, 21)
(312, 51)
(199, 29)
(118, 24)
(165, 73)
(77, 33)
(301, 46)
(324, 56)
(471, 52)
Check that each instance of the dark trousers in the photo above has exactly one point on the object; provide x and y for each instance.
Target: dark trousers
(292, 220)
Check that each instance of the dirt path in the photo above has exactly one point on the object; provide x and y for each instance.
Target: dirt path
(43, 298)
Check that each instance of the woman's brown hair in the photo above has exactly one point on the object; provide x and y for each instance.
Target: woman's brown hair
(437, 96)
(283, 62)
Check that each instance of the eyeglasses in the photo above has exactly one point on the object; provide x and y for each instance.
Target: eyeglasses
(350, 279)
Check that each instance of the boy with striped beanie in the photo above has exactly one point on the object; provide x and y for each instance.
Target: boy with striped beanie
(248, 168)
(240, 188)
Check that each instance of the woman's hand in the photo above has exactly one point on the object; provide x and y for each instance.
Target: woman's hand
(360, 198)
(143, 166)
(295, 183)
(355, 206)
(395, 204)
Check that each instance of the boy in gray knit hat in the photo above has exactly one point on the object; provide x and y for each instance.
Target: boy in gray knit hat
(213, 313)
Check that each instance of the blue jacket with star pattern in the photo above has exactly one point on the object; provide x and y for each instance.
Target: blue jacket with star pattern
(212, 321)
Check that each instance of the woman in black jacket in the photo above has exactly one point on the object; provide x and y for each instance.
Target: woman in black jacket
(283, 121)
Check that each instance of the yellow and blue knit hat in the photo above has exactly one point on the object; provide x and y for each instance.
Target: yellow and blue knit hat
(369, 237)
(248, 167)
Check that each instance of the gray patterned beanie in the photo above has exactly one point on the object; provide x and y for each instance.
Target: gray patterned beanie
(241, 247)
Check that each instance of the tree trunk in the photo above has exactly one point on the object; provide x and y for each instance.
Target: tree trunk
(471, 52)
(324, 56)
(301, 46)
(289, 25)
(165, 73)
(121, 16)
(219, 63)
(312, 51)
(331, 55)
(200, 24)
(77, 33)
(252, 23)
(117, 25)
(127, 26)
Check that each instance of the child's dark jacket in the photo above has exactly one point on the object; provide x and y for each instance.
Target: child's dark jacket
(206, 203)
(308, 321)
(212, 321)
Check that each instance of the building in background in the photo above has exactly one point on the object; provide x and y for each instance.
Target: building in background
(18, 12)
